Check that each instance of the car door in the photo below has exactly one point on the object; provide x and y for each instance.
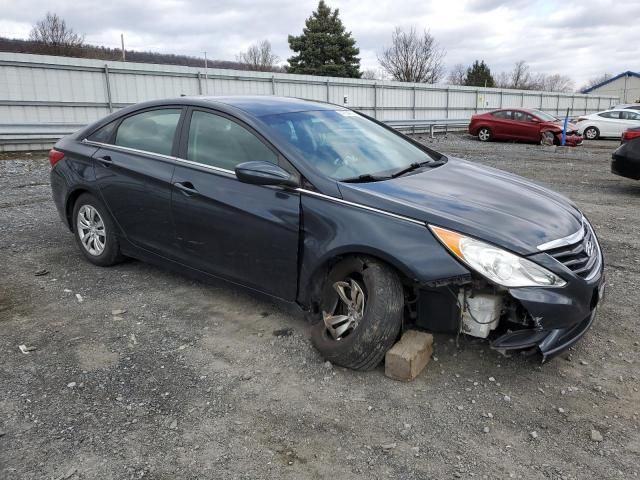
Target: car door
(500, 124)
(524, 127)
(609, 124)
(133, 169)
(242, 232)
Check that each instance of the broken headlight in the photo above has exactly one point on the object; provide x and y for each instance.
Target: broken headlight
(497, 265)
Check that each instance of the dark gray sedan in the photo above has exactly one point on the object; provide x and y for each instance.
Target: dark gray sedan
(365, 229)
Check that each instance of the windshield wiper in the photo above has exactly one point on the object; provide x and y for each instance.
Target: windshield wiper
(417, 165)
(367, 177)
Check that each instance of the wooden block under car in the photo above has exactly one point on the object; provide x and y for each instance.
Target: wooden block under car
(408, 357)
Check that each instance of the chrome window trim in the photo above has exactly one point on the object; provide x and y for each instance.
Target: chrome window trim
(359, 205)
(564, 241)
(209, 167)
(154, 154)
(127, 149)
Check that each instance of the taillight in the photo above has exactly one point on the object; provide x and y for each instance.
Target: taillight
(55, 156)
(631, 134)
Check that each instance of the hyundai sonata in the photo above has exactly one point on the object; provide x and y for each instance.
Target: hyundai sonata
(367, 230)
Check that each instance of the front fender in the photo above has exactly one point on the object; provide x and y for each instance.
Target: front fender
(332, 228)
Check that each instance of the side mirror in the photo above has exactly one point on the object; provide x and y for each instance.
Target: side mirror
(264, 173)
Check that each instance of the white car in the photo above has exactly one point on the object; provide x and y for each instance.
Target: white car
(633, 106)
(610, 123)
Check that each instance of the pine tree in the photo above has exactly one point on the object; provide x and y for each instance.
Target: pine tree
(479, 75)
(324, 48)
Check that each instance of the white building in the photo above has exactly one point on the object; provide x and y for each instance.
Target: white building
(625, 86)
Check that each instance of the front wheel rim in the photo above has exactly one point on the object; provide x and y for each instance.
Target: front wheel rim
(591, 133)
(348, 309)
(547, 139)
(484, 135)
(91, 230)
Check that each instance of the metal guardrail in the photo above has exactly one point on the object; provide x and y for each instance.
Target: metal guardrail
(432, 125)
(49, 133)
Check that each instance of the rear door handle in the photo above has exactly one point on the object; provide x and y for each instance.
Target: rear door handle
(105, 160)
(186, 187)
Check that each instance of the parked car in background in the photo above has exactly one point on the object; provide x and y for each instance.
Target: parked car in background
(626, 159)
(364, 228)
(627, 106)
(609, 123)
(522, 125)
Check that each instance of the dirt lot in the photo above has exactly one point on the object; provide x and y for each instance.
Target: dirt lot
(192, 382)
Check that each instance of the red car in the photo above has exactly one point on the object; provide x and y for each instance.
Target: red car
(522, 124)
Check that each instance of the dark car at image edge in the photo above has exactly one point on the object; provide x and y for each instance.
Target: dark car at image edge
(367, 230)
(626, 159)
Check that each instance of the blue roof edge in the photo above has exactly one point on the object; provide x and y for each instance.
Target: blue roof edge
(628, 73)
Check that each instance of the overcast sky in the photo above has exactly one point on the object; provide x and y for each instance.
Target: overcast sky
(580, 39)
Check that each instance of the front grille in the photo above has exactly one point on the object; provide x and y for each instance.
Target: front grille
(582, 257)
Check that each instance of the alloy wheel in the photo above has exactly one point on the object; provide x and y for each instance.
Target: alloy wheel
(348, 309)
(590, 133)
(484, 134)
(91, 230)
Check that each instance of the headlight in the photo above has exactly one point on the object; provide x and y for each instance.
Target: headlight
(498, 265)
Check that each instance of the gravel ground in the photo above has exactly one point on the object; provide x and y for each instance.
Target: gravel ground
(138, 372)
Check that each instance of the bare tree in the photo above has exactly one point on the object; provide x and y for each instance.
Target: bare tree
(413, 57)
(503, 80)
(457, 75)
(520, 76)
(52, 32)
(373, 74)
(259, 57)
(595, 81)
(554, 83)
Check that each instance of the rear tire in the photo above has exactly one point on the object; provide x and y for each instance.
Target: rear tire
(485, 135)
(364, 346)
(591, 133)
(95, 231)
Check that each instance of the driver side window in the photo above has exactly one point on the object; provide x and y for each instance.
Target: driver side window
(219, 142)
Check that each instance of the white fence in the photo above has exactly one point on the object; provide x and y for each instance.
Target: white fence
(45, 97)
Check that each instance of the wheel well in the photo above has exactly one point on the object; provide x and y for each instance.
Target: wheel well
(313, 288)
(71, 201)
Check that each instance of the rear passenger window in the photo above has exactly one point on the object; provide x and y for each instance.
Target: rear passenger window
(504, 114)
(151, 131)
(103, 134)
(222, 143)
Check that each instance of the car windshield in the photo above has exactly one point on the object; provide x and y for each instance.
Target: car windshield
(545, 117)
(347, 146)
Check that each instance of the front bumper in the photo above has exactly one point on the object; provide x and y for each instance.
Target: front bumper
(572, 139)
(553, 341)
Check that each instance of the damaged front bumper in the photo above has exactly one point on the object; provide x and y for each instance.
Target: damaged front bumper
(549, 319)
(550, 342)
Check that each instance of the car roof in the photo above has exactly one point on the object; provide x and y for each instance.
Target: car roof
(260, 105)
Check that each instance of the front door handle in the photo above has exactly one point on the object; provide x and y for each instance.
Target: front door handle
(186, 187)
(105, 160)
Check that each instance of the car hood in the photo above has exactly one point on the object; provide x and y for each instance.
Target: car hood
(480, 201)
